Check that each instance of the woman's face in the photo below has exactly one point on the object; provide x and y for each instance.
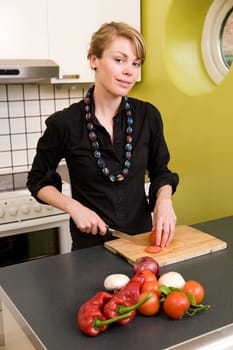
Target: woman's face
(118, 69)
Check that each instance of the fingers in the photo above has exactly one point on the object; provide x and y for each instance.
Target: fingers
(94, 227)
(164, 234)
(87, 220)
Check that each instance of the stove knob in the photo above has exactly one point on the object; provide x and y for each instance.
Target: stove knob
(12, 211)
(25, 209)
(2, 213)
(37, 207)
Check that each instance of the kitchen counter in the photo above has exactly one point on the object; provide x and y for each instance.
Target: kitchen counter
(48, 293)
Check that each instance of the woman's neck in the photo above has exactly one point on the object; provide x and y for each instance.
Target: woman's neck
(106, 104)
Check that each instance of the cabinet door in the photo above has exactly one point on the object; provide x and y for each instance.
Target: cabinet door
(71, 24)
(23, 28)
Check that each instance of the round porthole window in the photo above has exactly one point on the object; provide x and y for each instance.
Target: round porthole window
(226, 39)
(217, 39)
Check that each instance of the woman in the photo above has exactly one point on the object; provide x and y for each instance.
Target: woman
(108, 141)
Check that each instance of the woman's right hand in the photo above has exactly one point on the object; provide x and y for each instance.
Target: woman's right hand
(86, 219)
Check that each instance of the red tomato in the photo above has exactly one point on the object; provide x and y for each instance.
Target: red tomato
(152, 237)
(196, 289)
(175, 305)
(151, 306)
(153, 249)
(151, 286)
(149, 276)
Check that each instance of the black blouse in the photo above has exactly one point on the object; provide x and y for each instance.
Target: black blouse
(122, 205)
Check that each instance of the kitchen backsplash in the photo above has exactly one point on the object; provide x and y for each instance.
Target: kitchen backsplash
(23, 110)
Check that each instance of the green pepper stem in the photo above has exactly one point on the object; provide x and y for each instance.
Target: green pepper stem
(193, 310)
(98, 323)
(122, 309)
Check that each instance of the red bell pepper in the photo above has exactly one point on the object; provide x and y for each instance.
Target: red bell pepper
(90, 318)
(126, 299)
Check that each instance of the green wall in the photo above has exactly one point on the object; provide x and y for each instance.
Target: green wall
(197, 114)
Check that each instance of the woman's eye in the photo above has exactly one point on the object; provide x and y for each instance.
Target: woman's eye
(119, 60)
(137, 64)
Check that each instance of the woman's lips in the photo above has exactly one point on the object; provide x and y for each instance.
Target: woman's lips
(125, 83)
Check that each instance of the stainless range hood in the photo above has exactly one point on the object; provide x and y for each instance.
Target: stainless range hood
(15, 71)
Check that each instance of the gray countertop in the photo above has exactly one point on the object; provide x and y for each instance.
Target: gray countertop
(48, 293)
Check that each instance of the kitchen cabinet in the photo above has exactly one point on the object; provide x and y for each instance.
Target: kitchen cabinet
(23, 28)
(70, 28)
(60, 30)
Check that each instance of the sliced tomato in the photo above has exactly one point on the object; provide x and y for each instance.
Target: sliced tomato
(152, 237)
(153, 249)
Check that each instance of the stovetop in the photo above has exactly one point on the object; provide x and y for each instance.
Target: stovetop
(19, 205)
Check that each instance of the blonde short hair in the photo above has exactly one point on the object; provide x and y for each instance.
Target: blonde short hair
(108, 31)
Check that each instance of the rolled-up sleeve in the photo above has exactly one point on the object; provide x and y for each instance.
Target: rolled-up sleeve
(159, 157)
(49, 152)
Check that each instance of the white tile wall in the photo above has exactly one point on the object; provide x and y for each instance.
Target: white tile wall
(23, 111)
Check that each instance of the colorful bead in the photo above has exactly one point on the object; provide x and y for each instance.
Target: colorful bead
(100, 163)
(120, 177)
(128, 147)
(128, 155)
(112, 178)
(127, 164)
(88, 116)
(97, 154)
(105, 171)
(92, 136)
(125, 171)
(129, 138)
(95, 144)
(127, 105)
(129, 120)
(129, 130)
(90, 126)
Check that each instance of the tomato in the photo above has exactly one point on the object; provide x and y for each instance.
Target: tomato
(175, 305)
(149, 276)
(151, 286)
(196, 289)
(153, 249)
(151, 306)
(152, 237)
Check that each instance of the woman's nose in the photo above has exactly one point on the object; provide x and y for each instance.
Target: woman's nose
(128, 69)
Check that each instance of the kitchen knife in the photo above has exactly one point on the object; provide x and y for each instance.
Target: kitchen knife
(130, 238)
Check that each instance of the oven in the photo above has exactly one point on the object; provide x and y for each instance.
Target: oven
(31, 230)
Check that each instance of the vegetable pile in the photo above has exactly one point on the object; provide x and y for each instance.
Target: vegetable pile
(146, 292)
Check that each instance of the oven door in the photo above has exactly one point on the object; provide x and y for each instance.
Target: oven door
(34, 239)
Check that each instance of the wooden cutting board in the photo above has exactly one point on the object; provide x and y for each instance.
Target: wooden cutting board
(187, 243)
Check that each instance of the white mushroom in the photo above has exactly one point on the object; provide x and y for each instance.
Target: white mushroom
(116, 281)
(172, 279)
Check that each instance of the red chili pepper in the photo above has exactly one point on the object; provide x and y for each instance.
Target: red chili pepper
(90, 318)
(126, 299)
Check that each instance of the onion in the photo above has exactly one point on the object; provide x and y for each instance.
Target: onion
(146, 263)
(172, 279)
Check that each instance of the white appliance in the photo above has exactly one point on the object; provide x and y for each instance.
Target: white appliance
(21, 214)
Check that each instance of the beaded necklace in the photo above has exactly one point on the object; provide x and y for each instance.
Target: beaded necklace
(95, 145)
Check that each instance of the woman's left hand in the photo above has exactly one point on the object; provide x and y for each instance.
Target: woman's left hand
(164, 217)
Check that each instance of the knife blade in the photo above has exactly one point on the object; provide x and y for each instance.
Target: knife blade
(123, 235)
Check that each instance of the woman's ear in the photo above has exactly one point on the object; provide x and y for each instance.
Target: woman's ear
(92, 60)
